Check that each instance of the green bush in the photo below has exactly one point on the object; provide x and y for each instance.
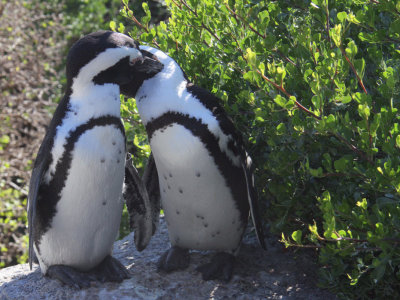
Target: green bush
(314, 88)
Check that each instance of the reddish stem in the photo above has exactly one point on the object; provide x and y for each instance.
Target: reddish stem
(280, 88)
(353, 148)
(138, 23)
(202, 24)
(236, 16)
(354, 70)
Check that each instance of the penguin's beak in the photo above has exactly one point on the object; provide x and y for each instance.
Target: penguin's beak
(147, 65)
(141, 68)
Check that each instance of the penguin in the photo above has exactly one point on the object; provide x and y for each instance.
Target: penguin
(201, 170)
(75, 194)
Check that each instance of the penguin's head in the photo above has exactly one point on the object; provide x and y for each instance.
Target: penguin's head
(107, 57)
(149, 66)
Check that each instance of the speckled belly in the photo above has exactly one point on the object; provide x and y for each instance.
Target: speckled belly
(198, 205)
(88, 214)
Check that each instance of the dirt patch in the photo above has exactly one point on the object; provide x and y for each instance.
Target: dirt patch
(30, 54)
(31, 51)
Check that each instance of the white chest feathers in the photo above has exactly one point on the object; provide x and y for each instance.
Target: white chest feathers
(88, 215)
(198, 205)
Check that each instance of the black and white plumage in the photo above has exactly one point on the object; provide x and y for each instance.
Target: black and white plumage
(75, 196)
(204, 173)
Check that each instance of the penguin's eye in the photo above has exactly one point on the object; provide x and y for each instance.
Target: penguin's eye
(135, 60)
(128, 44)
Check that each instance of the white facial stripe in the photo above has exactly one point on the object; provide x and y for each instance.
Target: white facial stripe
(101, 62)
(171, 69)
(164, 58)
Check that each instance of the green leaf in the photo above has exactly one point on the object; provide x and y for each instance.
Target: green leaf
(4, 139)
(364, 111)
(263, 17)
(336, 34)
(352, 18)
(341, 165)
(296, 236)
(316, 101)
(359, 64)
(341, 16)
(282, 72)
(379, 271)
(395, 28)
(250, 56)
(281, 129)
(327, 162)
(313, 229)
(280, 101)
(316, 172)
(121, 28)
(363, 204)
(375, 124)
(249, 75)
(290, 103)
(285, 241)
(345, 99)
(351, 49)
(113, 26)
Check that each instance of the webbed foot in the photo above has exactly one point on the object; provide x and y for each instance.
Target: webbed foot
(220, 267)
(173, 259)
(110, 269)
(70, 276)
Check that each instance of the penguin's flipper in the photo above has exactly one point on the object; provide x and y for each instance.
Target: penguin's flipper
(138, 204)
(32, 204)
(39, 169)
(227, 126)
(253, 200)
(150, 179)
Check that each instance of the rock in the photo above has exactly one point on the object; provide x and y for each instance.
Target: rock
(271, 274)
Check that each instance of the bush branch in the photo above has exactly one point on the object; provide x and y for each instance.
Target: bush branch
(282, 89)
(138, 23)
(352, 147)
(354, 70)
(236, 16)
(202, 23)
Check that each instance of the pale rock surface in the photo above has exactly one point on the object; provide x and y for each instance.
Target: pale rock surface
(272, 274)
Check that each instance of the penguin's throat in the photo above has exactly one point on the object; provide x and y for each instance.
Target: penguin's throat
(96, 101)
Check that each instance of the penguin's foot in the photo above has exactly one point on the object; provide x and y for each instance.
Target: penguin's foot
(220, 267)
(173, 259)
(110, 269)
(70, 276)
